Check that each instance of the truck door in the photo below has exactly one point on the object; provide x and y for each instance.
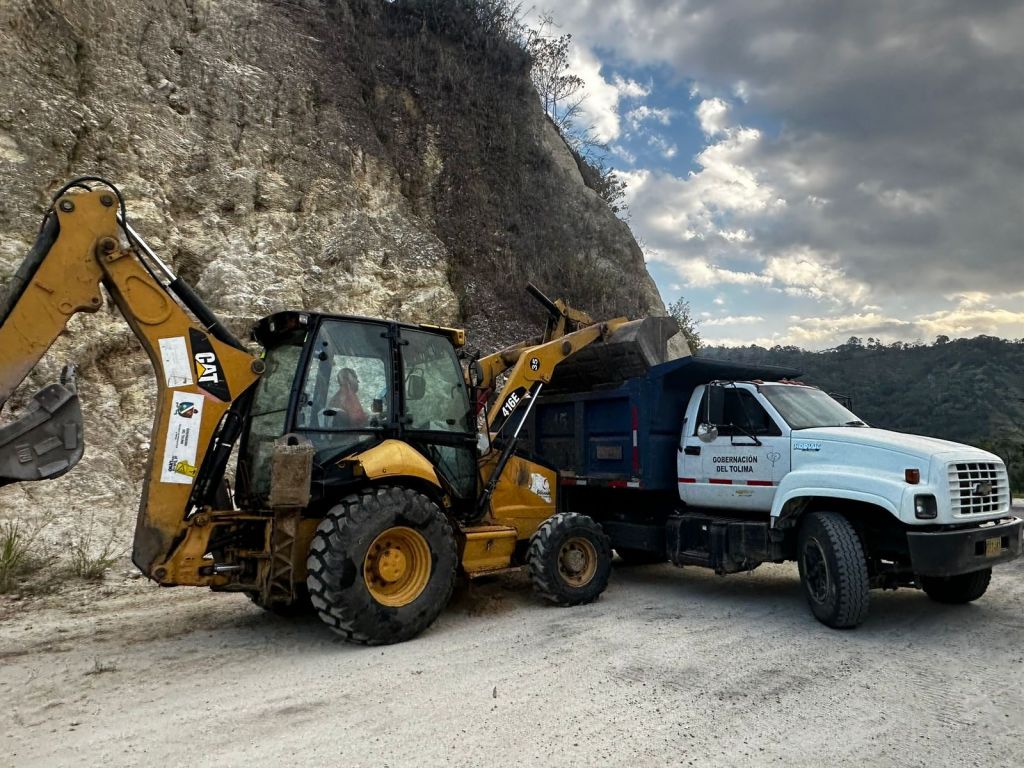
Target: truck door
(741, 467)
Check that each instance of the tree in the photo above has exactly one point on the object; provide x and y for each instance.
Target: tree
(943, 339)
(679, 310)
(562, 94)
(561, 91)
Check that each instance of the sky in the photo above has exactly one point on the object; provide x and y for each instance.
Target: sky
(804, 171)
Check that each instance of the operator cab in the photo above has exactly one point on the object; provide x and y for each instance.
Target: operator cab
(347, 383)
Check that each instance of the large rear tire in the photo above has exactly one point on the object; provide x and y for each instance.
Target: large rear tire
(957, 590)
(381, 566)
(833, 570)
(569, 559)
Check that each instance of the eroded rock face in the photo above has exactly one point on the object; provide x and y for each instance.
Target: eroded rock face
(277, 160)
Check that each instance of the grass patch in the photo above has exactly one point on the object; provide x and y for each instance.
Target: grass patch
(93, 553)
(18, 558)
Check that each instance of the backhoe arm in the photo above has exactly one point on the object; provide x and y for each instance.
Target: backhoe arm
(533, 368)
(203, 375)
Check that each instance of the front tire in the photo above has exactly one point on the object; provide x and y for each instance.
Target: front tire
(381, 566)
(957, 590)
(833, 570)
(569, 559)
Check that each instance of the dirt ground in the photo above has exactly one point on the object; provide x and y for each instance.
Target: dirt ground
(669, 667)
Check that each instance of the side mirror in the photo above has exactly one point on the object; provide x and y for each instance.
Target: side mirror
(707, 433)
(415, 386)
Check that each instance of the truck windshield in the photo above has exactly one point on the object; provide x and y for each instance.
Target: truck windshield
(806, 407)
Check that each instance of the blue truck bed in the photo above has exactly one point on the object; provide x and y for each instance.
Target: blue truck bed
(626, 436)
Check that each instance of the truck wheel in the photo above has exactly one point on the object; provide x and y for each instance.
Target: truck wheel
(956, 590)
(382, 565)
(569, 559)
(639, 556)
(833, 570)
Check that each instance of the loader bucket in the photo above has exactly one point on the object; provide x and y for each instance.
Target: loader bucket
(46, 441)
(630, 351)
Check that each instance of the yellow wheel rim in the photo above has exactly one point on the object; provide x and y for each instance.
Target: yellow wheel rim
(577, 561)
(396, 568)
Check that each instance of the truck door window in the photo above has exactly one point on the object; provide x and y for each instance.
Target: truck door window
(743, 415)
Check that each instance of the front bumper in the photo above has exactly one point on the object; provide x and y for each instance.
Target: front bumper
(948, 553)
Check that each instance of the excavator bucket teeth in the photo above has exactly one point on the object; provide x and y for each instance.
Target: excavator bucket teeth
(629, 351)
(46, 441)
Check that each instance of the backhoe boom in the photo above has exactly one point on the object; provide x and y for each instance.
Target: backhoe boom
(202, 372)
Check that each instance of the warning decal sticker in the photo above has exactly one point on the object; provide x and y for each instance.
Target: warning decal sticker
(182, 444)
(177, 366)
(540, 486)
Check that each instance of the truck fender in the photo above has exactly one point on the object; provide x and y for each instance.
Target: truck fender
(396, 459)
(834, 485)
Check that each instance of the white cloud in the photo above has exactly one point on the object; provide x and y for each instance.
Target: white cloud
(623, 154)
(699, 273)
(666, 149)
(807, 273)
(968, 320)
(733, 320)
(735, 235)
(713, 115)
(635, 182)
(630, 89)
(600, 109)
(638, 116)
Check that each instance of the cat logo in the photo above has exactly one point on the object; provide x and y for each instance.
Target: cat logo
(209, 372)
(206, 368)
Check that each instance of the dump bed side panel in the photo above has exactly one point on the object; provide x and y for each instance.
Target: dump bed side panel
(627, 436)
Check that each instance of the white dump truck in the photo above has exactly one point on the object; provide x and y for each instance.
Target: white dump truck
(726, 466)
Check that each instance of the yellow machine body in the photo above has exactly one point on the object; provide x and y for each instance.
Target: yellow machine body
(205, 379)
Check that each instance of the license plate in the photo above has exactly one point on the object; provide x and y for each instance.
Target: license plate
(992, 547)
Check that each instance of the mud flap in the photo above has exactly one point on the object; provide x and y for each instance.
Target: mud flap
(47, 440)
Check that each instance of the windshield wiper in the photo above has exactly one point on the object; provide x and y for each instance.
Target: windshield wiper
(857, 423)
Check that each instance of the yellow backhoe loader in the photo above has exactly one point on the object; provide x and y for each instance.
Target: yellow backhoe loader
(362, 485)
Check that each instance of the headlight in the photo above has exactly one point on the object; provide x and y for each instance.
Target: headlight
(925, 507)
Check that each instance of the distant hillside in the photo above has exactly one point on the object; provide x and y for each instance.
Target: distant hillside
(968, 390)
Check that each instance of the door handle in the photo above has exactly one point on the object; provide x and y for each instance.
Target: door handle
(692, 450)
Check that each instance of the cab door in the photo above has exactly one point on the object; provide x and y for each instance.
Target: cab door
(741, 467)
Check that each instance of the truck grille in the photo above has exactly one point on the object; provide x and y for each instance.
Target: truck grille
(968, 484)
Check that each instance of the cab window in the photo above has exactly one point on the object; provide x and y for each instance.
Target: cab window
(742, 414)
(434, 388)
(347, 383)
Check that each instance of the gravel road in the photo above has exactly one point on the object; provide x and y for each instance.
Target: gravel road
(670, 667)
